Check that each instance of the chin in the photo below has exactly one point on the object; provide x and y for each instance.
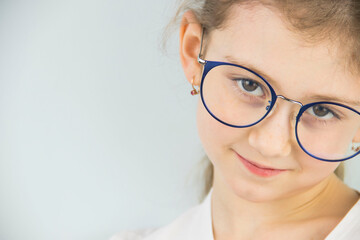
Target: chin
(253, 194)
(258, 192)
(246, 188)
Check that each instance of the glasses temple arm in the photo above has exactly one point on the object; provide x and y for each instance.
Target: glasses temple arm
(199, 58)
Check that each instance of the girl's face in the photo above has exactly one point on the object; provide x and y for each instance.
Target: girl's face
(258, 38)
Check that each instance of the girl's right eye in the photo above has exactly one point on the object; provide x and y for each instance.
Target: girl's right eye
(251, 87)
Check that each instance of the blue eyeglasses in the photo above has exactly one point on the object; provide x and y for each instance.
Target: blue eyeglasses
(239, 97)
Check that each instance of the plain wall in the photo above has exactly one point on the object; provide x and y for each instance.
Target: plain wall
(97, 126)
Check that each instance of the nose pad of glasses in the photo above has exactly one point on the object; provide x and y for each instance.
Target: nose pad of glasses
(268, 107)
(293, 118)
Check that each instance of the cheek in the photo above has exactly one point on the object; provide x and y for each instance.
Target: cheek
(208, 128)
(216, 137)
(316, 170)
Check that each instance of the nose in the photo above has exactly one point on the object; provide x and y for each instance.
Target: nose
(273, 136)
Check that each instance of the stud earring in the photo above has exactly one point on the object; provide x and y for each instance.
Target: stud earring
(356, 149)
(194, 91)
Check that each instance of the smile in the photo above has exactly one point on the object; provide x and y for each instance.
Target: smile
(258, 169)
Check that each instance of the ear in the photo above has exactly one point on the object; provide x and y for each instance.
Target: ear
(190, 38)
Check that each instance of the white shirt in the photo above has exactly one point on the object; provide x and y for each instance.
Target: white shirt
(196, 224)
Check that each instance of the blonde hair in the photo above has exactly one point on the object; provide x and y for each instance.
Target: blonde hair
(335, 21)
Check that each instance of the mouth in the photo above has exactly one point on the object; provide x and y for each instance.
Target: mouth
(259, 170)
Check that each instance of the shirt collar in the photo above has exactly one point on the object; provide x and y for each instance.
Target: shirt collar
(194, 224)
(206, 214)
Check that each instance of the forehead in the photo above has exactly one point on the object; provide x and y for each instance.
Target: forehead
(257, 36)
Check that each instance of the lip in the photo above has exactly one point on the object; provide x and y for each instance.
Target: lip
(259, 170)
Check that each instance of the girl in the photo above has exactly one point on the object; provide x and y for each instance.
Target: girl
(278, 113)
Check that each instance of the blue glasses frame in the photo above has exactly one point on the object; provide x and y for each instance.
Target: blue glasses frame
(208, 65)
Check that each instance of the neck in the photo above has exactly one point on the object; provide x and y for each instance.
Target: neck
(230, 211)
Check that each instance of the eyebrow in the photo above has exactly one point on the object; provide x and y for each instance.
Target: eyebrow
(253, 68)
(317, 97)
(335, 99)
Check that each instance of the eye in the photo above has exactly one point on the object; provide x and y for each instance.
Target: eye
(321, 112)
(250, 86)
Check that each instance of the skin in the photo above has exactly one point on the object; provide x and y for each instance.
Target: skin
(307, 195)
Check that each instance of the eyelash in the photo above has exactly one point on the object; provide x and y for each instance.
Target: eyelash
(237, 89)
(337, 116)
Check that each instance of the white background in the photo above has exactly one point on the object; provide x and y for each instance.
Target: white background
(97, 126)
